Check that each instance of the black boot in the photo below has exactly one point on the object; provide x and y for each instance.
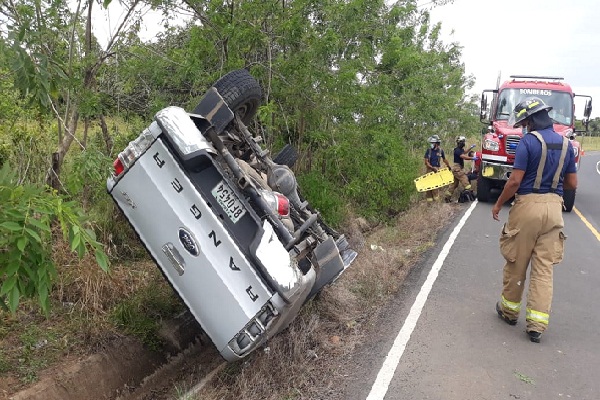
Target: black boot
(504, 317)
(534, 336)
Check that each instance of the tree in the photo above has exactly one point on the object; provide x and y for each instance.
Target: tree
(338, 76)
(56, 61)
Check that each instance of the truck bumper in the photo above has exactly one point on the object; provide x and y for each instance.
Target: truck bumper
(495, 170)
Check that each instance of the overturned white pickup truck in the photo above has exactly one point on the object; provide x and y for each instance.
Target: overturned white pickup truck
(225, 223)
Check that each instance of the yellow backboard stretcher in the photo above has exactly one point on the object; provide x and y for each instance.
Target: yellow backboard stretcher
(434, 180)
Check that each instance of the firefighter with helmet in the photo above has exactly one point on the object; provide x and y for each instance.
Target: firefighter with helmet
(544, 166)
(433, 157)
(460, 155)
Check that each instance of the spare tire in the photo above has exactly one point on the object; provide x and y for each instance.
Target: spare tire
(241, 92)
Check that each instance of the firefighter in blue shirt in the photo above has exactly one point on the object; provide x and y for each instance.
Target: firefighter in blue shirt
(544, 166)
(433, 155)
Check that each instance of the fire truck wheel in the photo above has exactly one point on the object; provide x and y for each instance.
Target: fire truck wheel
(569, 200)
(483, 189)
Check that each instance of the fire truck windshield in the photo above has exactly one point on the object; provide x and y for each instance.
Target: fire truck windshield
(561, 102)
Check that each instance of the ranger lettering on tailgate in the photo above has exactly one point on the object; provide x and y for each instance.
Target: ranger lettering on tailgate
(187, 239)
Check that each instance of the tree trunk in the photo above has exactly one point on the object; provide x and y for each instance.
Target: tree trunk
(107, 138)
(53, 175)
(86, 127)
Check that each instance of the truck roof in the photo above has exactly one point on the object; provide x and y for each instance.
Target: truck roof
(537, 82)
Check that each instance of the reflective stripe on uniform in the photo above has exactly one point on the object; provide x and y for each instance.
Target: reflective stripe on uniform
(554, 146)
(516, 307)
(537, 316)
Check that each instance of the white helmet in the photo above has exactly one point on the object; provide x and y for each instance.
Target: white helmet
(461, 139)
(434, 139)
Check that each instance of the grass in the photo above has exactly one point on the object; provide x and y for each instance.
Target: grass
(524, 378)
(89, 308)
(590, 143)
(140, 314)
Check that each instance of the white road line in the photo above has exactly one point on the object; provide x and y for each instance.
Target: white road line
(386, 373)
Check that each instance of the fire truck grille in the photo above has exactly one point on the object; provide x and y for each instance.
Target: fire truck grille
(511, 144)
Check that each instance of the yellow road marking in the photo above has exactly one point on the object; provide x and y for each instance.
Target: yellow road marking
(586, 222)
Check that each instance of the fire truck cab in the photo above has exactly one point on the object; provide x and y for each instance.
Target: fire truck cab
(500, 140)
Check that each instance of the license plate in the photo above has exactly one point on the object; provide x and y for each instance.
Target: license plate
(228, 201)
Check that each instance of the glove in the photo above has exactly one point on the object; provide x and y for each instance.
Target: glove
(475, 158)
(472, 146)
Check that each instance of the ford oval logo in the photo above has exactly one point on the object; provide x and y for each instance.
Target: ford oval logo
(188, 242)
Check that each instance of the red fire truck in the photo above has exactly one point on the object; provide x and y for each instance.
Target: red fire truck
(499, 141)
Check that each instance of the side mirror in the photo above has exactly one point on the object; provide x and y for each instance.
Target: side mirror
(587, 111)
(483, 108)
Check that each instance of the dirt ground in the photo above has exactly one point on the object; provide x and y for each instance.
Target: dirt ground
(304, 362)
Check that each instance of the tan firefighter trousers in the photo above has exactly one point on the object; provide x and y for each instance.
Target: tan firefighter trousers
(433, 194)
(533, 234)
(459, 178)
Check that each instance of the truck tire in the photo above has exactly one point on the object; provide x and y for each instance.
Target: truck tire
(286, 156)
(483, 189)
(569, 199)
(241, 92)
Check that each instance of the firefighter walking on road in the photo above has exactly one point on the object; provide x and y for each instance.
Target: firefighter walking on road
(544, 166)
(433, 157)
(460, 155)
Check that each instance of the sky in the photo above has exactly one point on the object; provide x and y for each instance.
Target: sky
(517, 37)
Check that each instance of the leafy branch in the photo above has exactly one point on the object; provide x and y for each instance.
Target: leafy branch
(27, 218)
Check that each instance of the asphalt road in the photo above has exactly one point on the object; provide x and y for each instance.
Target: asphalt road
(460, 349)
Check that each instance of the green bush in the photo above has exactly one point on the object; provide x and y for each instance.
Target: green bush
(27, 218)
(373, 171)
(323, 196)
(86, 175)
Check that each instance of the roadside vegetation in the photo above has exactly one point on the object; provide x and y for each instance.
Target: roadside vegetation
(357, 93)
(590, 143)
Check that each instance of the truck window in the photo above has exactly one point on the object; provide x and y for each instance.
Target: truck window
(561, 102)
(562, 109)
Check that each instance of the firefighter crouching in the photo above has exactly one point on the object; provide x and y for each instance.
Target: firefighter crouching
(433, 157)
(460, 177)
(544, 166)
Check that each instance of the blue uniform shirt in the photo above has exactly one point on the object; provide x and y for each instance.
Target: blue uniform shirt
(434, 156)
(527, 158)
(458, 152)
